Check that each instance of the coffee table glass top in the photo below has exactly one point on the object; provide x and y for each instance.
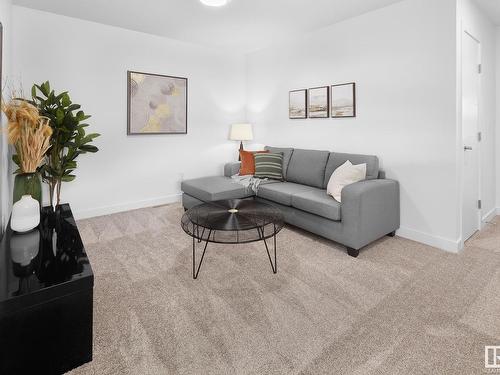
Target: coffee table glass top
(233, 221)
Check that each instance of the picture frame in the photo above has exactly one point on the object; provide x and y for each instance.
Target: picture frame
(318, 99)
(156, 104)
(297, 104)
(343, 100)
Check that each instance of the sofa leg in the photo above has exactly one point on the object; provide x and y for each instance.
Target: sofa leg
(392, 234)
(352, 252)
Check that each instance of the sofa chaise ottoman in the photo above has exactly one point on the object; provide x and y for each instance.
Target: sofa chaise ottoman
(369, 208)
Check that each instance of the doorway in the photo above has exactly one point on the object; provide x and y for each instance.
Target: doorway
(471, 69)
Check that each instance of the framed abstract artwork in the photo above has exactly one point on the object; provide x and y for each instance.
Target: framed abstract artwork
(156, 104)
(318, 102)
(343, 100)
(297, 104)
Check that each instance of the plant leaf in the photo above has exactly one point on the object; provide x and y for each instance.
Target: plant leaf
(16, 159)
(45, 88)
(88, 148)
(68, 178)
(73, 107)
(65, 100)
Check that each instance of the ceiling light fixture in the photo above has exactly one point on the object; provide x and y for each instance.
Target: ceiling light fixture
(215, 3)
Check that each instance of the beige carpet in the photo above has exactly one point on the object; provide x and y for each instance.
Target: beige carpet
(400, 308)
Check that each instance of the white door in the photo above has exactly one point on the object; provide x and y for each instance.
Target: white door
(470, 96)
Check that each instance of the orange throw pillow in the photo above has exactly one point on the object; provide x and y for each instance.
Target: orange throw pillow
(248, 162)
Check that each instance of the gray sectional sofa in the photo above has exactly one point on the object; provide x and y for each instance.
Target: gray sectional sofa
(369, 208)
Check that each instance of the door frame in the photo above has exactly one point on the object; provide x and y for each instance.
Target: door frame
(463, 31)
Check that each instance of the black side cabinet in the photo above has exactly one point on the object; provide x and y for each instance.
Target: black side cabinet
(46, 297)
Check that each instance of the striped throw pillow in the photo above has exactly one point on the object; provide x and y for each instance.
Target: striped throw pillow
(269, 165)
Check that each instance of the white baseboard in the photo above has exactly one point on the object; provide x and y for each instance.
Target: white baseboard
(107, 210)
(490, 215)
(446, 244)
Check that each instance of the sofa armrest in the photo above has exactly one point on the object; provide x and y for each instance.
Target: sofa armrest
(370, 210)
(230, 169)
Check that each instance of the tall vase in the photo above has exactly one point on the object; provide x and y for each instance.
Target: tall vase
(28, 184)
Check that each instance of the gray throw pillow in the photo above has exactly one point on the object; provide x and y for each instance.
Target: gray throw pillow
(269, 165)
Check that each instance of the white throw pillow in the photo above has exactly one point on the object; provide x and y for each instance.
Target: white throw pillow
(344, 175)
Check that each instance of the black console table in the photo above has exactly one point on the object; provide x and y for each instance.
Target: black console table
(46, 294)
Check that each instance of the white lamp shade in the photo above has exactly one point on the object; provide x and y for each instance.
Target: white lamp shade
(241, 132)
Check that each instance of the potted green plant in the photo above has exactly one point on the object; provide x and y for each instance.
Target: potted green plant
(68, 140)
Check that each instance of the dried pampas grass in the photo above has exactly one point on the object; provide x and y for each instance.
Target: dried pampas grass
(28, 132)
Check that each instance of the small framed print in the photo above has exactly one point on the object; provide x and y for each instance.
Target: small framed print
(343, 100)
(297, 104)
(318, 102)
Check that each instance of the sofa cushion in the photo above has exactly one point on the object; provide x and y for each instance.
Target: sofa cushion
(269, 165)
(307, 167)
(344, 175)
(248, 162)
(281, 192)
(210, 189)
(231, 169)
(317, 202)
(336, 159)
(287, 154)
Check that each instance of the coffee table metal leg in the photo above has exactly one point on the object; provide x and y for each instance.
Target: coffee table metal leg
(275, 265)
(275, 259)
(197, 271)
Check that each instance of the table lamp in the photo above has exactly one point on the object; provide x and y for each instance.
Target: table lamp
(241, 132)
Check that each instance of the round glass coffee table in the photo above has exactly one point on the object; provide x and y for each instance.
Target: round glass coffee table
(233, 221)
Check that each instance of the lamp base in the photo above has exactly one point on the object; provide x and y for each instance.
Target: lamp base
(241, 149)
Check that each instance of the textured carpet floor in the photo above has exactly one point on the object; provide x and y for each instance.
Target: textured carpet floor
(400, 308)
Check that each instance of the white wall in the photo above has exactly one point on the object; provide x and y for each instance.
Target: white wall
(403, 60)
(473, 21)
(497, 144)
(5, 19)
(90, 60)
